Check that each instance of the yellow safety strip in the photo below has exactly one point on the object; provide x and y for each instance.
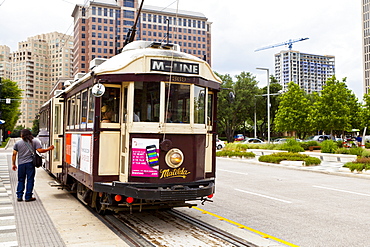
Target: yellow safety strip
(264, 235)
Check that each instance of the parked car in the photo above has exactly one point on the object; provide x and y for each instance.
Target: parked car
(282, 140)
(219, 144)
(252, 140)
(239, 137)
(320, 138)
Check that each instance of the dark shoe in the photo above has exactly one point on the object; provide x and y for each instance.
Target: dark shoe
(31, 199)
(19, 199)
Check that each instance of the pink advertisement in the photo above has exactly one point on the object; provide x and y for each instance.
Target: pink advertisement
(145, 157)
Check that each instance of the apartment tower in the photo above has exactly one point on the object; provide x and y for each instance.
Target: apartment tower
(366, 43)
(309, 71)
(5, 62)
(100, 29)
(37, 66)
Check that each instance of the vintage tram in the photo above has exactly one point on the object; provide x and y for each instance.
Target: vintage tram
(137, 131)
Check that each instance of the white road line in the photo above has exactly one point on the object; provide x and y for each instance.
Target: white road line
(10, 244)
(269, 197)
(241, 173)
(345, 191)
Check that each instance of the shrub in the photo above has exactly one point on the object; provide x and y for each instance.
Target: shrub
(229, 153)
(278, 157)
(367, 144)
(328, 146)
(308, 144)
(342, 151)
(340, 144)
(365, 153)
(312, 161)
(355, 166)
(356, 151)
(291, 145)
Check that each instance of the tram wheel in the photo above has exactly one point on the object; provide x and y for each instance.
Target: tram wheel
(100, 207)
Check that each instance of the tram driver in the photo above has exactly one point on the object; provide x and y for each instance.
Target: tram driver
(106, 114)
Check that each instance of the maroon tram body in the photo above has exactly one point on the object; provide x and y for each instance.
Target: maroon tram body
(137, 131)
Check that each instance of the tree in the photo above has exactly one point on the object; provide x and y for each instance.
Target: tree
(232, 116)
(365, 113)
(10, 112)
(294, 111)
(337, 108)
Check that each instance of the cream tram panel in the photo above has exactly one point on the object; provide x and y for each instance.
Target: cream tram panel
(109, 153)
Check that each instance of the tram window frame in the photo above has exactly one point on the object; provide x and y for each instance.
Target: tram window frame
(210, 107)
(199, 112)
(91, 110)
(112, 104)
(84, 108)
(182, 114)
(77, 111)
(147, 101)
(71, 111)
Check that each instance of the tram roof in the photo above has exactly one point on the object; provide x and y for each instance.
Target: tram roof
(135, 59)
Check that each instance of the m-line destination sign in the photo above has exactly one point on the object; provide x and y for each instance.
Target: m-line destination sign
(173, 66)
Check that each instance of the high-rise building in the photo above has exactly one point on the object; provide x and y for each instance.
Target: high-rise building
(100, 29)
(5, 62)
(366, 43)
(37, 65)
(309, 71)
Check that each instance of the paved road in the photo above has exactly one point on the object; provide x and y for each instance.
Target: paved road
(304, 208)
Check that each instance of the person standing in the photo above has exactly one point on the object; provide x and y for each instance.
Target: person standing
(26, 169)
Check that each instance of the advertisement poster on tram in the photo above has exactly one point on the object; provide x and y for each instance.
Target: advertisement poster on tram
(145, 157)
(85, 151)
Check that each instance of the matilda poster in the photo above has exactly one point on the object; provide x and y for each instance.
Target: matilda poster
(145, 157)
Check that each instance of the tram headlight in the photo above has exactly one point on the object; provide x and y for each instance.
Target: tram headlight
(174, 158)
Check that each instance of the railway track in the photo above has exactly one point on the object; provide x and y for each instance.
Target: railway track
(169, 228)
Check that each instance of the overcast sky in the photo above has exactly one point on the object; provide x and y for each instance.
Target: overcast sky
(239, 27)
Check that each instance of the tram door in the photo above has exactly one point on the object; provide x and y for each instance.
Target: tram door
(123, 174)
(56, 135)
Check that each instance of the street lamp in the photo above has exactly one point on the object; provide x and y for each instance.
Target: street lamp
(268, 102)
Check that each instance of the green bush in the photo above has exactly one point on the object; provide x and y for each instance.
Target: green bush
(291, 145)
(353, 166)
(356, 151)
(312, 161)
(367, 145)
(366, 153)
(328, 146)
(278, 157)
(306, 145)
(229, 153)
(340, 144)
(342, 151)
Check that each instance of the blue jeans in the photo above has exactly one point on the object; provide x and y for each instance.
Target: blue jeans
(26, 171)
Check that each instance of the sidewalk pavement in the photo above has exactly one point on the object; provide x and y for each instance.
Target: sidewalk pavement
(56, 218)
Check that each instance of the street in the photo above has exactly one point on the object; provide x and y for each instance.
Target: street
(301, 207)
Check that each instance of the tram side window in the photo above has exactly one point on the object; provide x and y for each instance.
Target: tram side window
(210, 109)
(77, 111)
(199, 104)
(178, 103)
(110, 105)
(72, 109)
(84, 103)
(146, 101)
(91, 108)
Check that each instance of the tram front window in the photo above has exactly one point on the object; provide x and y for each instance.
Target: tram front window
(110, 105)
(146, 102)
(177, 103)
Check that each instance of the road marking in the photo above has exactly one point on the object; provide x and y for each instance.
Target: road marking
(241, 173)
(264, 235)
(269, 197)
(345, 191)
